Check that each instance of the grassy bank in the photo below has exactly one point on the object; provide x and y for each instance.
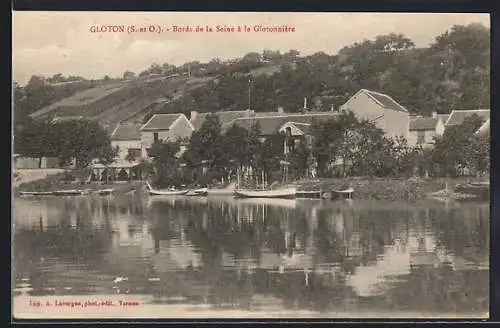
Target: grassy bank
(57, 182)
(412, 189)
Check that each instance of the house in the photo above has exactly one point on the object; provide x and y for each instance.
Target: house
(225, 117)
(381, 109)
(127, 137)
(164, 127)
(424, 129)
(457, 117)
(296, 126)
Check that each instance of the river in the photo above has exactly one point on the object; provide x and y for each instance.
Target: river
(139, 256)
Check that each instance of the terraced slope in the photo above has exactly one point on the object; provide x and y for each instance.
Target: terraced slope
(122, 101)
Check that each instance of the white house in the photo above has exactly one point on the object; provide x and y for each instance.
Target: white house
(164, 127)
(424, 129)
(127, 136)
(381, 109)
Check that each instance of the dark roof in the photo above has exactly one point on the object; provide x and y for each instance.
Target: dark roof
(270, 125)
(127, 131)
(458, 116)
(161, 121)
(224, 117)
(385, 100)
(423, 123)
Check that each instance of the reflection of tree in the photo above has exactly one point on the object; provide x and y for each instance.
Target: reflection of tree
(463, 231)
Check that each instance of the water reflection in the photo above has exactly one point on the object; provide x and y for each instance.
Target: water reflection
(243, 254)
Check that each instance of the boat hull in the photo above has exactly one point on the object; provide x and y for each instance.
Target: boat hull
(168, 193)
(105, 192)
(69, 192)
(279, 193)
(202, 192)
(309, 194)
(36, 193)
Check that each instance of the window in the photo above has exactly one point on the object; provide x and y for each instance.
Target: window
(420, 137)
(155, 137)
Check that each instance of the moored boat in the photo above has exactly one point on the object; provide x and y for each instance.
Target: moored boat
(107, 191)
(309, 194)
(165, 192)
(338, 194)
(289, 193)
(478, 190)
(69, 192)
(36, 193)
(201, 192)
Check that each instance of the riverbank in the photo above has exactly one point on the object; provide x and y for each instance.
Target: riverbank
(55, 182)
(412, 189)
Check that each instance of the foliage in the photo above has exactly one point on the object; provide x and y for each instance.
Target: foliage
(165, 162)
(67, 140)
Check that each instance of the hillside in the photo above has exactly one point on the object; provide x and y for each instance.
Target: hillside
(452, 73)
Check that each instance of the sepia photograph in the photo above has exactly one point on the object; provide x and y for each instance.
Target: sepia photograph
(250, 165)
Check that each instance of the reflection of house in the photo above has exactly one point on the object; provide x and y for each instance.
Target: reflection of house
(424, 129)
(164, 127)
(381, 109)
(127, 136)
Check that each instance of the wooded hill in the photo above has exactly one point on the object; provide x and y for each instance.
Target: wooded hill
(452, 73)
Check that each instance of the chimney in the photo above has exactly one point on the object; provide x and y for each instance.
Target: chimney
(305, 103)
(280, 109)
(193, 115)
(434, 114)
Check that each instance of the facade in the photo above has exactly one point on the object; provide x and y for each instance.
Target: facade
(127, 137)
(423, 130)
(164, 127)
(381, 109)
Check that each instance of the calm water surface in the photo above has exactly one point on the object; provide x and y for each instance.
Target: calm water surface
(243, 255)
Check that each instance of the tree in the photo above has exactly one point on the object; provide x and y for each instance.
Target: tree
(165, 161)
(106, 156)
(130, 156)
(128, 75)
(450, 151)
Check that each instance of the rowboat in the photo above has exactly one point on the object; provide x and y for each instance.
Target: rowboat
(165, 192)
(201, 192)
(273, 193)
(338, 194)
(36, 193)
(474, 190)
(107, 191)
(314, 194)
(69, 192)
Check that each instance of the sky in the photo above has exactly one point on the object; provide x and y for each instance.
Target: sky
(46, 43)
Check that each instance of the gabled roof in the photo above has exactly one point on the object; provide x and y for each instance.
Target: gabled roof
(270, 125)
(161, 121)
(127, 131)
(458, 116)
(384, 100)
(423, 123)
(224, 117)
